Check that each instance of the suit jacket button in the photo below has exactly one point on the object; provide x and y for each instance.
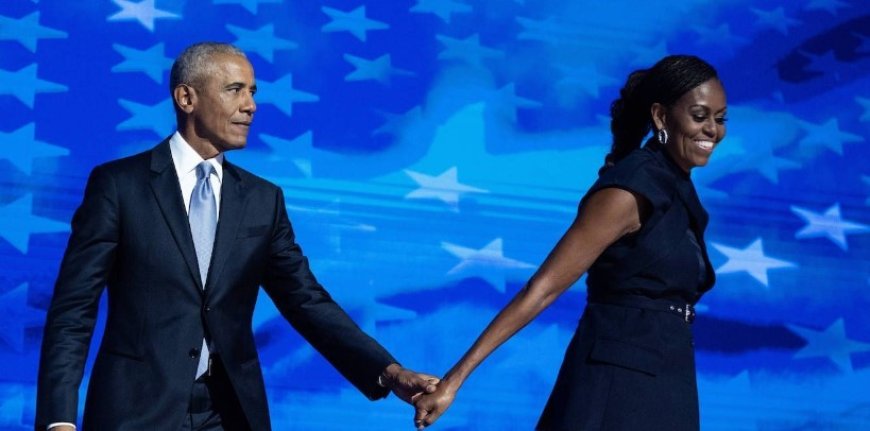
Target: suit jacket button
(193, 353)
(207, 308)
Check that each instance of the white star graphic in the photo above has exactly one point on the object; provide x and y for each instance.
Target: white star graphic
(17, 317)
(380, 69)
(22, 147)
(296, 150)
(150, 61)
(155, 117)
(827, 135)
(826, 63)
(751, 260)
(354, 22)
(17, 223)
(505, 102)
(283, 95)
(488, 262)
(831, 343)
(145, 12)
(445, 186)
(27, 31)
(25, 85)
(828, 224)
(720, 36)
(585, 77)
(548, 30)
(444, 9)
(469, 50)
(263, 40)
(775, 19)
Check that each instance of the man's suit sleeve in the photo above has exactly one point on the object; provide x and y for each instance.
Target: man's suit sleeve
(312, 311)
(72, 314)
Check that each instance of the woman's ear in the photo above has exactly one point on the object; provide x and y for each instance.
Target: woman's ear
(658, 113)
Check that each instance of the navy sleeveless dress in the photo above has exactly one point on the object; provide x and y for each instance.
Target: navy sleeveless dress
(631, 363)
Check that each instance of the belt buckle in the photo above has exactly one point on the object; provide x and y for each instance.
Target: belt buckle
(687, 312)
(690, 313)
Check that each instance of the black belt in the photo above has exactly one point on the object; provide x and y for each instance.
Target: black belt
(682, 309)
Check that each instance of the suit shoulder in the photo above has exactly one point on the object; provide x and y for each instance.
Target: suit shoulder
(250, 179)
(129, 164)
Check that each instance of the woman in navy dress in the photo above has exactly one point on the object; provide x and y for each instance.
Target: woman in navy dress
(639, 234)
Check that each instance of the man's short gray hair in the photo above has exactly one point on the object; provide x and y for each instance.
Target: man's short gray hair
(194, 63)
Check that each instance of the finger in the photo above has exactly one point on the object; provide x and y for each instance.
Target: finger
(419, 417)
(431, 418)
(432, 382)
(429, 377)
(426, 382)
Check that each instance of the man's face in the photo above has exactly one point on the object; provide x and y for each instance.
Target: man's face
(224, 105)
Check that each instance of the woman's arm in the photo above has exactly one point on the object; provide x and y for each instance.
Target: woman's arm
(607, 215)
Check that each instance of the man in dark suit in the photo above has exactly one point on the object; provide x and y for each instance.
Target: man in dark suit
(183, 240)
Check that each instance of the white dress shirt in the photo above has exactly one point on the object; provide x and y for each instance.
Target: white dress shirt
(186, 159)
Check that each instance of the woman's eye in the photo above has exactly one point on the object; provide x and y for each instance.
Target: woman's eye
(722, 120)
(699, 118)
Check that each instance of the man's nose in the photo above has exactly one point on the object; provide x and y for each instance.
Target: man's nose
(249, 106)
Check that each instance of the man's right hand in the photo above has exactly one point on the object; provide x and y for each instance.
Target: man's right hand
(62, 428)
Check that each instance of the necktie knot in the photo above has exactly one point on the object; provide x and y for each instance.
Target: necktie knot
(204, 170)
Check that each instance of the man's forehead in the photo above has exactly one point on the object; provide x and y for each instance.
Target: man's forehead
(231, 68)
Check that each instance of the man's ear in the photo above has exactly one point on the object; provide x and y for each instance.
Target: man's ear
(185, 97)
(659, 115)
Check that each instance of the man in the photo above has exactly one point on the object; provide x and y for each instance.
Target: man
(183, 239)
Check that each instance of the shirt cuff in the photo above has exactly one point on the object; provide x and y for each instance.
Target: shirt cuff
(57, 424)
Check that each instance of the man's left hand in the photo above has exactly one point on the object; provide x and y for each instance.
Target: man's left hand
(406, 384)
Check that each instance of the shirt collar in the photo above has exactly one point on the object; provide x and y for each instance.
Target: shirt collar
(186, 159)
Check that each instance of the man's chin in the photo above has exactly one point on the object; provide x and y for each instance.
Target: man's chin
(235, 146)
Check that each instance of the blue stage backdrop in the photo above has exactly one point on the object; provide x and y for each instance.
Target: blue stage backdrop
(433, 151)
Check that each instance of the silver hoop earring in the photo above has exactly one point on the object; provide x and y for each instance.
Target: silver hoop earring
(662, 136)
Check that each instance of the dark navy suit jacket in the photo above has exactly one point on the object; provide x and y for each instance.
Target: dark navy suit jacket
(131, 236)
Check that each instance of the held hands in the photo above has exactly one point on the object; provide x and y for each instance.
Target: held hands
(406, 384)
(429, 407)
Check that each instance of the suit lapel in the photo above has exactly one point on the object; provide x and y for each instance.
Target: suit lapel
(167, 192)
(232, 208)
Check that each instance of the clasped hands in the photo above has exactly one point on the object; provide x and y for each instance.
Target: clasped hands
(429, 395)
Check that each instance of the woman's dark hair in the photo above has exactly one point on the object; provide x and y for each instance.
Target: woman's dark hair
(663, 83)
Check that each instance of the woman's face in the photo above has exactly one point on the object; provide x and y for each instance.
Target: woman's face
(695, 124)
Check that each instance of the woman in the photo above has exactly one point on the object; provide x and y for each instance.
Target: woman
(639, 233)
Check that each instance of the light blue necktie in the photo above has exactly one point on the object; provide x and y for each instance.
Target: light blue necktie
(203, 222)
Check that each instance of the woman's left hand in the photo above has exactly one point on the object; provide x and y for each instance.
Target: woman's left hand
(430, 407)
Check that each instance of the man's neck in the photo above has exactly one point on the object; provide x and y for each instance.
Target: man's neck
(202, 146)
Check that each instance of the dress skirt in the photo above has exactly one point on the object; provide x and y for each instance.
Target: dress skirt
(626, 369)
